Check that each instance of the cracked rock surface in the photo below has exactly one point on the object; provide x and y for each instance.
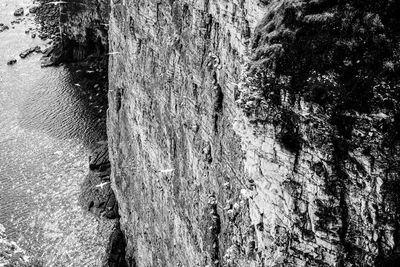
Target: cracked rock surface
(217, 159)
(97, 195)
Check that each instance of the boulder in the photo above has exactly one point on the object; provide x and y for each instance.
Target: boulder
(29, 51)
(19, 12)
(3, 27)
(26, 53)
(11, 62)
(38, 49)
(33, 9)
(43, 36)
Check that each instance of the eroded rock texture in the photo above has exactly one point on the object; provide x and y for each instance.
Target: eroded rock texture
(85, 28)
(97, 195)
(235, 141)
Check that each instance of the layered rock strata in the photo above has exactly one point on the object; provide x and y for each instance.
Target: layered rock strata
(205, 177)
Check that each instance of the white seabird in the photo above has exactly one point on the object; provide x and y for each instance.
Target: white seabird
(102, 185)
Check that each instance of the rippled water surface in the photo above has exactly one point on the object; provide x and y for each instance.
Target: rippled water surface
(45, 122)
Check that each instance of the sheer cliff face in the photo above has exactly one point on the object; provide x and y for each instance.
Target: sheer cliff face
(204, 177)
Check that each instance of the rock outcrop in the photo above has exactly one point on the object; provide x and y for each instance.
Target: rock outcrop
(116, 249)
(84, 26)
(19, 12)
(97, 195)
(48, 17)
(78, 29)
(11, 62)
(3, 27)
(230, 144)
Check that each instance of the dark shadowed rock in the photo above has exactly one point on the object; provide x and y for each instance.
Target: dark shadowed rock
(52, 55)
(19, 12)
(33, 9)
(29, 51)
(116, 249)
(97, 195)
(11, 62)
(38, 49)
(3, 27)
(98, 160)
(43, 36)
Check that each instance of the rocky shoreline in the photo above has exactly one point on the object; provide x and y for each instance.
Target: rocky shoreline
(96, 195)
(46, 18)
(96, 192)
(94, 69)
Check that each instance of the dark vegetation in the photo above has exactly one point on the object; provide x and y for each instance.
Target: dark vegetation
(342, 58)
(344, 53)
(341, 55)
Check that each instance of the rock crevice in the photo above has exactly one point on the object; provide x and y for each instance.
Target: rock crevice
(240, 134)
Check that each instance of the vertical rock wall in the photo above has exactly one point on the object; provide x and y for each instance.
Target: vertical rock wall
(199, 181)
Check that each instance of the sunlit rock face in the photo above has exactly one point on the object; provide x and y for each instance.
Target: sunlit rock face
(212, 167)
